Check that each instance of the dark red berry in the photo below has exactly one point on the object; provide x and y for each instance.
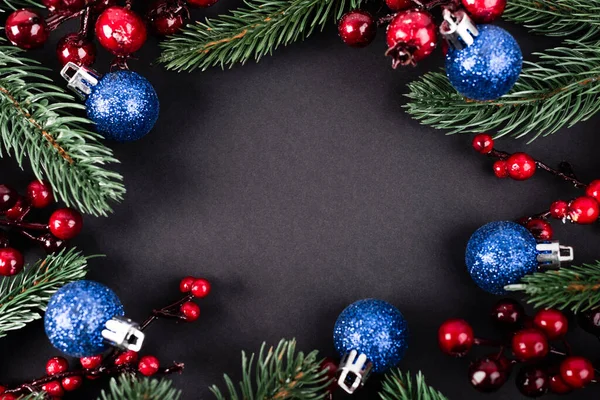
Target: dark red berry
(56, 365)
(17, 211)
(51, 244)
(577, 371)
(201, 3)
(559, 209)
(11, 261)
(127, 357)
(91, 362)
(73, 5)
(589, 321)
(520, 166)
(329, 365)
(500, 169)
(148, 365)
(357, 28)
(167, 17)
(411, 36)
(399, 5)
(455, 337)
(71, 383)
(53, 388)
(508, 313)
(65, 223)
(484, 11)
(540, 229)
(8, 197)
(120, 31)
(529, 344)
(186, 284)
(483, 143)
(190, 310)
(552, 322)
(593, 190)
(39, 194)
(8, 396)
(557, 385)
(200, 288)
(52, 5)
(26, 29)
(487, 374)
(532, 381)
(76, 49)
(584, 210)
(101, 5)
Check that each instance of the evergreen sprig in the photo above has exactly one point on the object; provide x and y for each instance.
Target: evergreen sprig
(575, 287)
(560, 90)
(402, 386)
(281, 373)
(251, 32)
(25, 296)
(39, 123)
(129, 387)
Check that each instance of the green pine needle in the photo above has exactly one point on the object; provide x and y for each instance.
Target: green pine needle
(575, 287)
(129, 387)
(9, 5)
(24, 296)
(251, 32)
(401, 386)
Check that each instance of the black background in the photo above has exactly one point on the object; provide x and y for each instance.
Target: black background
(297, 186)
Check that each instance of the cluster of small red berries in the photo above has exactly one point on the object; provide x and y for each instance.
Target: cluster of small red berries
(411, 34)
(118, 29)
(64, 224)
(195, 287)
(528, 338)
(521, 166)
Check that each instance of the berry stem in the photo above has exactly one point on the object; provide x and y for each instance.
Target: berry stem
(167, 312)
(84, 30)
(488, 342)
(24, 225)
(56, 19)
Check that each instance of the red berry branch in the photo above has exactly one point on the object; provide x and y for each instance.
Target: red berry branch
(59, 378)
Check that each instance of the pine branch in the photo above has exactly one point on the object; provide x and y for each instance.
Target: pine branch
(9, 5)
(250, 32)
(25, 296)
(128, 387)
(38, 123)
(575, 287)
(281, 373)
(401, 386)
(558, 91)
(557, 17)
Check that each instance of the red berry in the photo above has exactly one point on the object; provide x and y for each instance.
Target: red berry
(52, 5)
(76, 49)
(201, 3)
(8, 197)
(559, 209)
(127, 357)
(500, 169)
(508, 313)
(558, 386)
(532, 381)
(484, 11)
(399, 5)
(552, 322)
(91, 362)
(56, 365)
(483, 143)
(520, 166)
(148, 365)
(65, 223)
(593, 190)
(487, 374)
(455, 337)
(589, 321)
(190, 310)
(584, 210)
(357, 28)
(17, 211)
(167, 17)
(331, 367)
(411, 36)
(8, 396)
(577, 371)
(540, 229)
(39, 194)
(2, 389)
(120, 31)
(186, 284)
(200, 288)
(529, 344)
(71, 383)
(51, 244)
(53, 388)
(73, 5)
(11, 261)
(26, 29)
(101, 5)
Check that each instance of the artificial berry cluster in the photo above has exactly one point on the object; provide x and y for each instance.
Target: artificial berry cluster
(119, 29)
(64, 224)
(521, 166)
(529, 340)
(411, 32)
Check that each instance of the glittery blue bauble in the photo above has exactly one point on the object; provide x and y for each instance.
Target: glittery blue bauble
(488, 68)
(76, 316)
(374, 328)
(499, 254)
(123, 105)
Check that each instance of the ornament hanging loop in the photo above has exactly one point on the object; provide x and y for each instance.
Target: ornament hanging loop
(123, 333)
(80, 79)
(355, 369)
(458, 29)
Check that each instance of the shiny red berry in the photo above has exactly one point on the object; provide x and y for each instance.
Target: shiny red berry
(11, 261)
(127, 357)
(357, 28)
(411, 36)
(559, 209)
(201, 3)
(190, 310)
(26, 29)
(76, 49)
(399, 5)
(483, 143)
(508, 313)
(167, 17)
(455, 337)
(71, 383)
(120, 31)
(329, 365)
(484, 11)
(17, 211)
(593, 190)
(8, 396)
(51, 244)
(65, 223)
(500, 169)
(39, 194)
(186, 284)
(8, 197)
(53, 388)
(148, 365)
(91, 362)
(487, 374)
(200, 288)
(584, 210)
(52, 5)
(552, 322)
(540, 228)
(56, 365)
(520, 166)
(529, 344)
(557, 385)
(532, 381)
(577, 371)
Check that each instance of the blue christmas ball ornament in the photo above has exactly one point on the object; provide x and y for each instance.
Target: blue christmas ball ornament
(488, 68)
(374, 328)
(76, 315)
(124, 106)
(501, 253)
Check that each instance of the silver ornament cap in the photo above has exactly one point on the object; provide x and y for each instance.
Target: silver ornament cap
(354, 370)
(80, 79)
(458, 29)
(552, 254)
(123, 333)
